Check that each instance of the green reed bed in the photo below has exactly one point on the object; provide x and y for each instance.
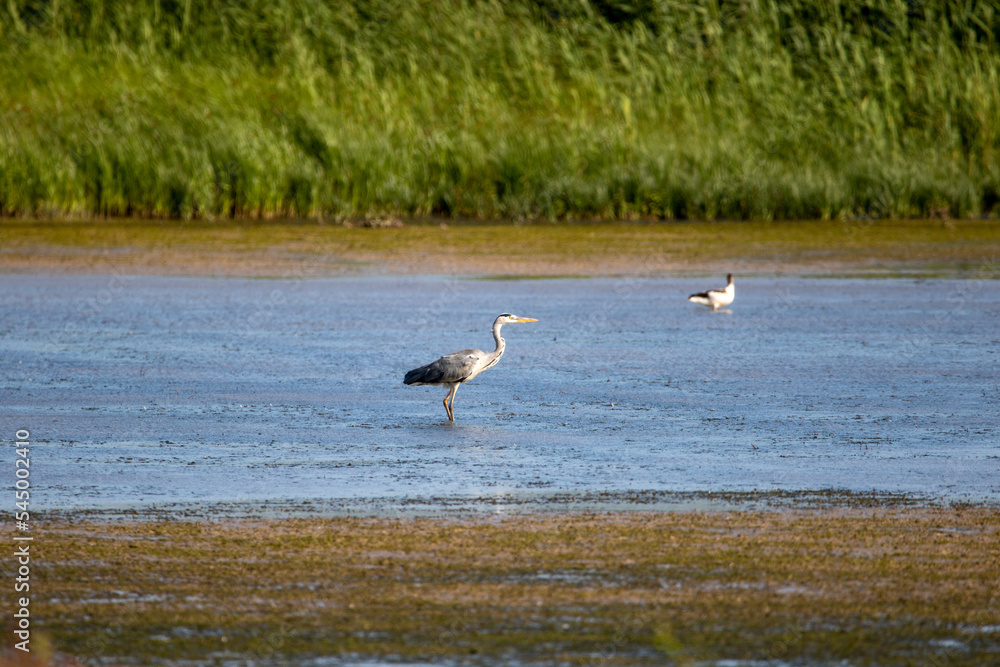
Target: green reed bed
(751, 109)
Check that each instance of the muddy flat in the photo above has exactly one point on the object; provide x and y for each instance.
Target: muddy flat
(886, 586)
(308, 248)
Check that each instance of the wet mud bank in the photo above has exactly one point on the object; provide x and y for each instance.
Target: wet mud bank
(299, 249)
(889, 586)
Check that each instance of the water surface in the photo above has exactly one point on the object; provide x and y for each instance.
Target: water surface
(140, 391)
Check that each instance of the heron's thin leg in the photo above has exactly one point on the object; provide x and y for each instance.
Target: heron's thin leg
(451, 406)
(448, 408)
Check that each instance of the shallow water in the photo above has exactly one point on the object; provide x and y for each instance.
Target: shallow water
(141, 391)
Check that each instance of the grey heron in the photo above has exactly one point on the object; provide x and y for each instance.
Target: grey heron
(716, 298)
(453, 369)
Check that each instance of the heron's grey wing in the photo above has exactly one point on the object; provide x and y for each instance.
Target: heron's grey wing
(454, 367)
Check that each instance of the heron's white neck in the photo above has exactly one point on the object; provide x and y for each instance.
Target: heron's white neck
(501, 343)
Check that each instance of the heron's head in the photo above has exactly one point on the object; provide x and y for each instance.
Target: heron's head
(507, 318)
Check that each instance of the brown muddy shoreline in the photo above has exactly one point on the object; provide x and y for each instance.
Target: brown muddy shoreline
(882, 585)
(292, 248)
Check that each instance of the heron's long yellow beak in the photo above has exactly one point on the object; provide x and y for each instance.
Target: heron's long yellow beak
(526, 319)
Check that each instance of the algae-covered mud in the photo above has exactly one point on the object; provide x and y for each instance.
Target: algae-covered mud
(884, 586)
(298, 249)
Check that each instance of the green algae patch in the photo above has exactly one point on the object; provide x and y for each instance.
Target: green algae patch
(869, 586)
(294, 249)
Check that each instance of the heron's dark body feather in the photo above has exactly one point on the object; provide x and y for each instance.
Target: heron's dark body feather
(454, 367)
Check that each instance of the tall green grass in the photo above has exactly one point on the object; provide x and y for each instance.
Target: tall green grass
(748, 109)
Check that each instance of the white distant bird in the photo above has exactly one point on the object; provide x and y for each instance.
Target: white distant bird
(716, 298)
(453, 369)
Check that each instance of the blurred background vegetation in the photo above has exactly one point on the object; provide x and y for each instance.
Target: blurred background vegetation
(731, 109)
